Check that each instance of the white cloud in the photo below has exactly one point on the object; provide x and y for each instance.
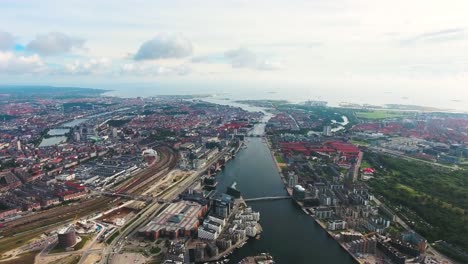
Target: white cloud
(438, 36)
(244, 58)
(54, 43)
(152, 69)
(92, 66)
(13, 64)
(164, 47)
(7, 41)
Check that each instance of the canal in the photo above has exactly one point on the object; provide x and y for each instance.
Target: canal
(289, 234)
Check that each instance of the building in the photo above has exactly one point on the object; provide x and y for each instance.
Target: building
(392, 253)
(415, 239)
(213, 225)
(336, 225)
(299, 193)
(180, 219)
(292, 179)
(222, 205)
(323, 212)
(66, 237)
(327, 131)
(204, 232)
(65, 177)
(363, 246)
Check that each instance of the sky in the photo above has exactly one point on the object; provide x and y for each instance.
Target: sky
(417, 47)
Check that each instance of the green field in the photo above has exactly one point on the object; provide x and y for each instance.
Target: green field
(382, 114)
(365, 164)
(279, 159)
(359, 142)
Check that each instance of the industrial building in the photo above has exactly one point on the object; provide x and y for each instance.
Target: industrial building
(179, 219)
(66, 237)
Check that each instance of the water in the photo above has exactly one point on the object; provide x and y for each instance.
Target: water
(46, 142)
(451, 98)
(289, 234)
(58, 131)
(74, 122)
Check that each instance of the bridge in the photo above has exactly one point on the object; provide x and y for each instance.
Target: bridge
(269, 198)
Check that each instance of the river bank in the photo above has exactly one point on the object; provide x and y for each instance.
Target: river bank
(256, 175)
(289, 191)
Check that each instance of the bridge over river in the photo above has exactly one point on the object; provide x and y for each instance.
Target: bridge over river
(268, 198)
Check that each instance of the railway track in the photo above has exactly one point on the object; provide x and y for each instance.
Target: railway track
(168, 160)
(28, 227)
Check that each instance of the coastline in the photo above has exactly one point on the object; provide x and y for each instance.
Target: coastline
(289, 191)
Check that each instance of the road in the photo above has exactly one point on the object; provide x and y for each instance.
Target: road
(90, 248)
(403, 156)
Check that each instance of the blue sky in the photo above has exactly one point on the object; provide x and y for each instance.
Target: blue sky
(337, 44)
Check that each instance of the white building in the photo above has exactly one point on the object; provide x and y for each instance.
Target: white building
(206, 233)
(65, 177)
(336, 225)
(212, 225)
(217, 220)
(251, 231)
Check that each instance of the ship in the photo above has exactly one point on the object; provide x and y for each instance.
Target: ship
(264, 258)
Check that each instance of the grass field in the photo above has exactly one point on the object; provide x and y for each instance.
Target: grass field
(26, 258)
(365, 164)
(359, 142)
(381, 114)
(279, 159)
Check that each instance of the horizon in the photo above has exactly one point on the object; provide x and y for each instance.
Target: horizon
(335, 50)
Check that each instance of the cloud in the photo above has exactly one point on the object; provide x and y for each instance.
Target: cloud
(12, 64)
(151, 69)
(244, 58)
(311, 44)
(438, 36)
(92, 66)
(7, 41)
(54, 43)
(164, 47)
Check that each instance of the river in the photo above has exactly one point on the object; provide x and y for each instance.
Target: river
(290, 235)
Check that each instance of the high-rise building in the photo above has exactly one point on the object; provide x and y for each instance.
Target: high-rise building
(327, 131)
(292, 179)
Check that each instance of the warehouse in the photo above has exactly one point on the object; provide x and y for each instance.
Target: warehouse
(180, 219)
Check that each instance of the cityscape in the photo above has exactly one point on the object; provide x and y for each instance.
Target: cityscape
(235, 132)
(100, 179)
